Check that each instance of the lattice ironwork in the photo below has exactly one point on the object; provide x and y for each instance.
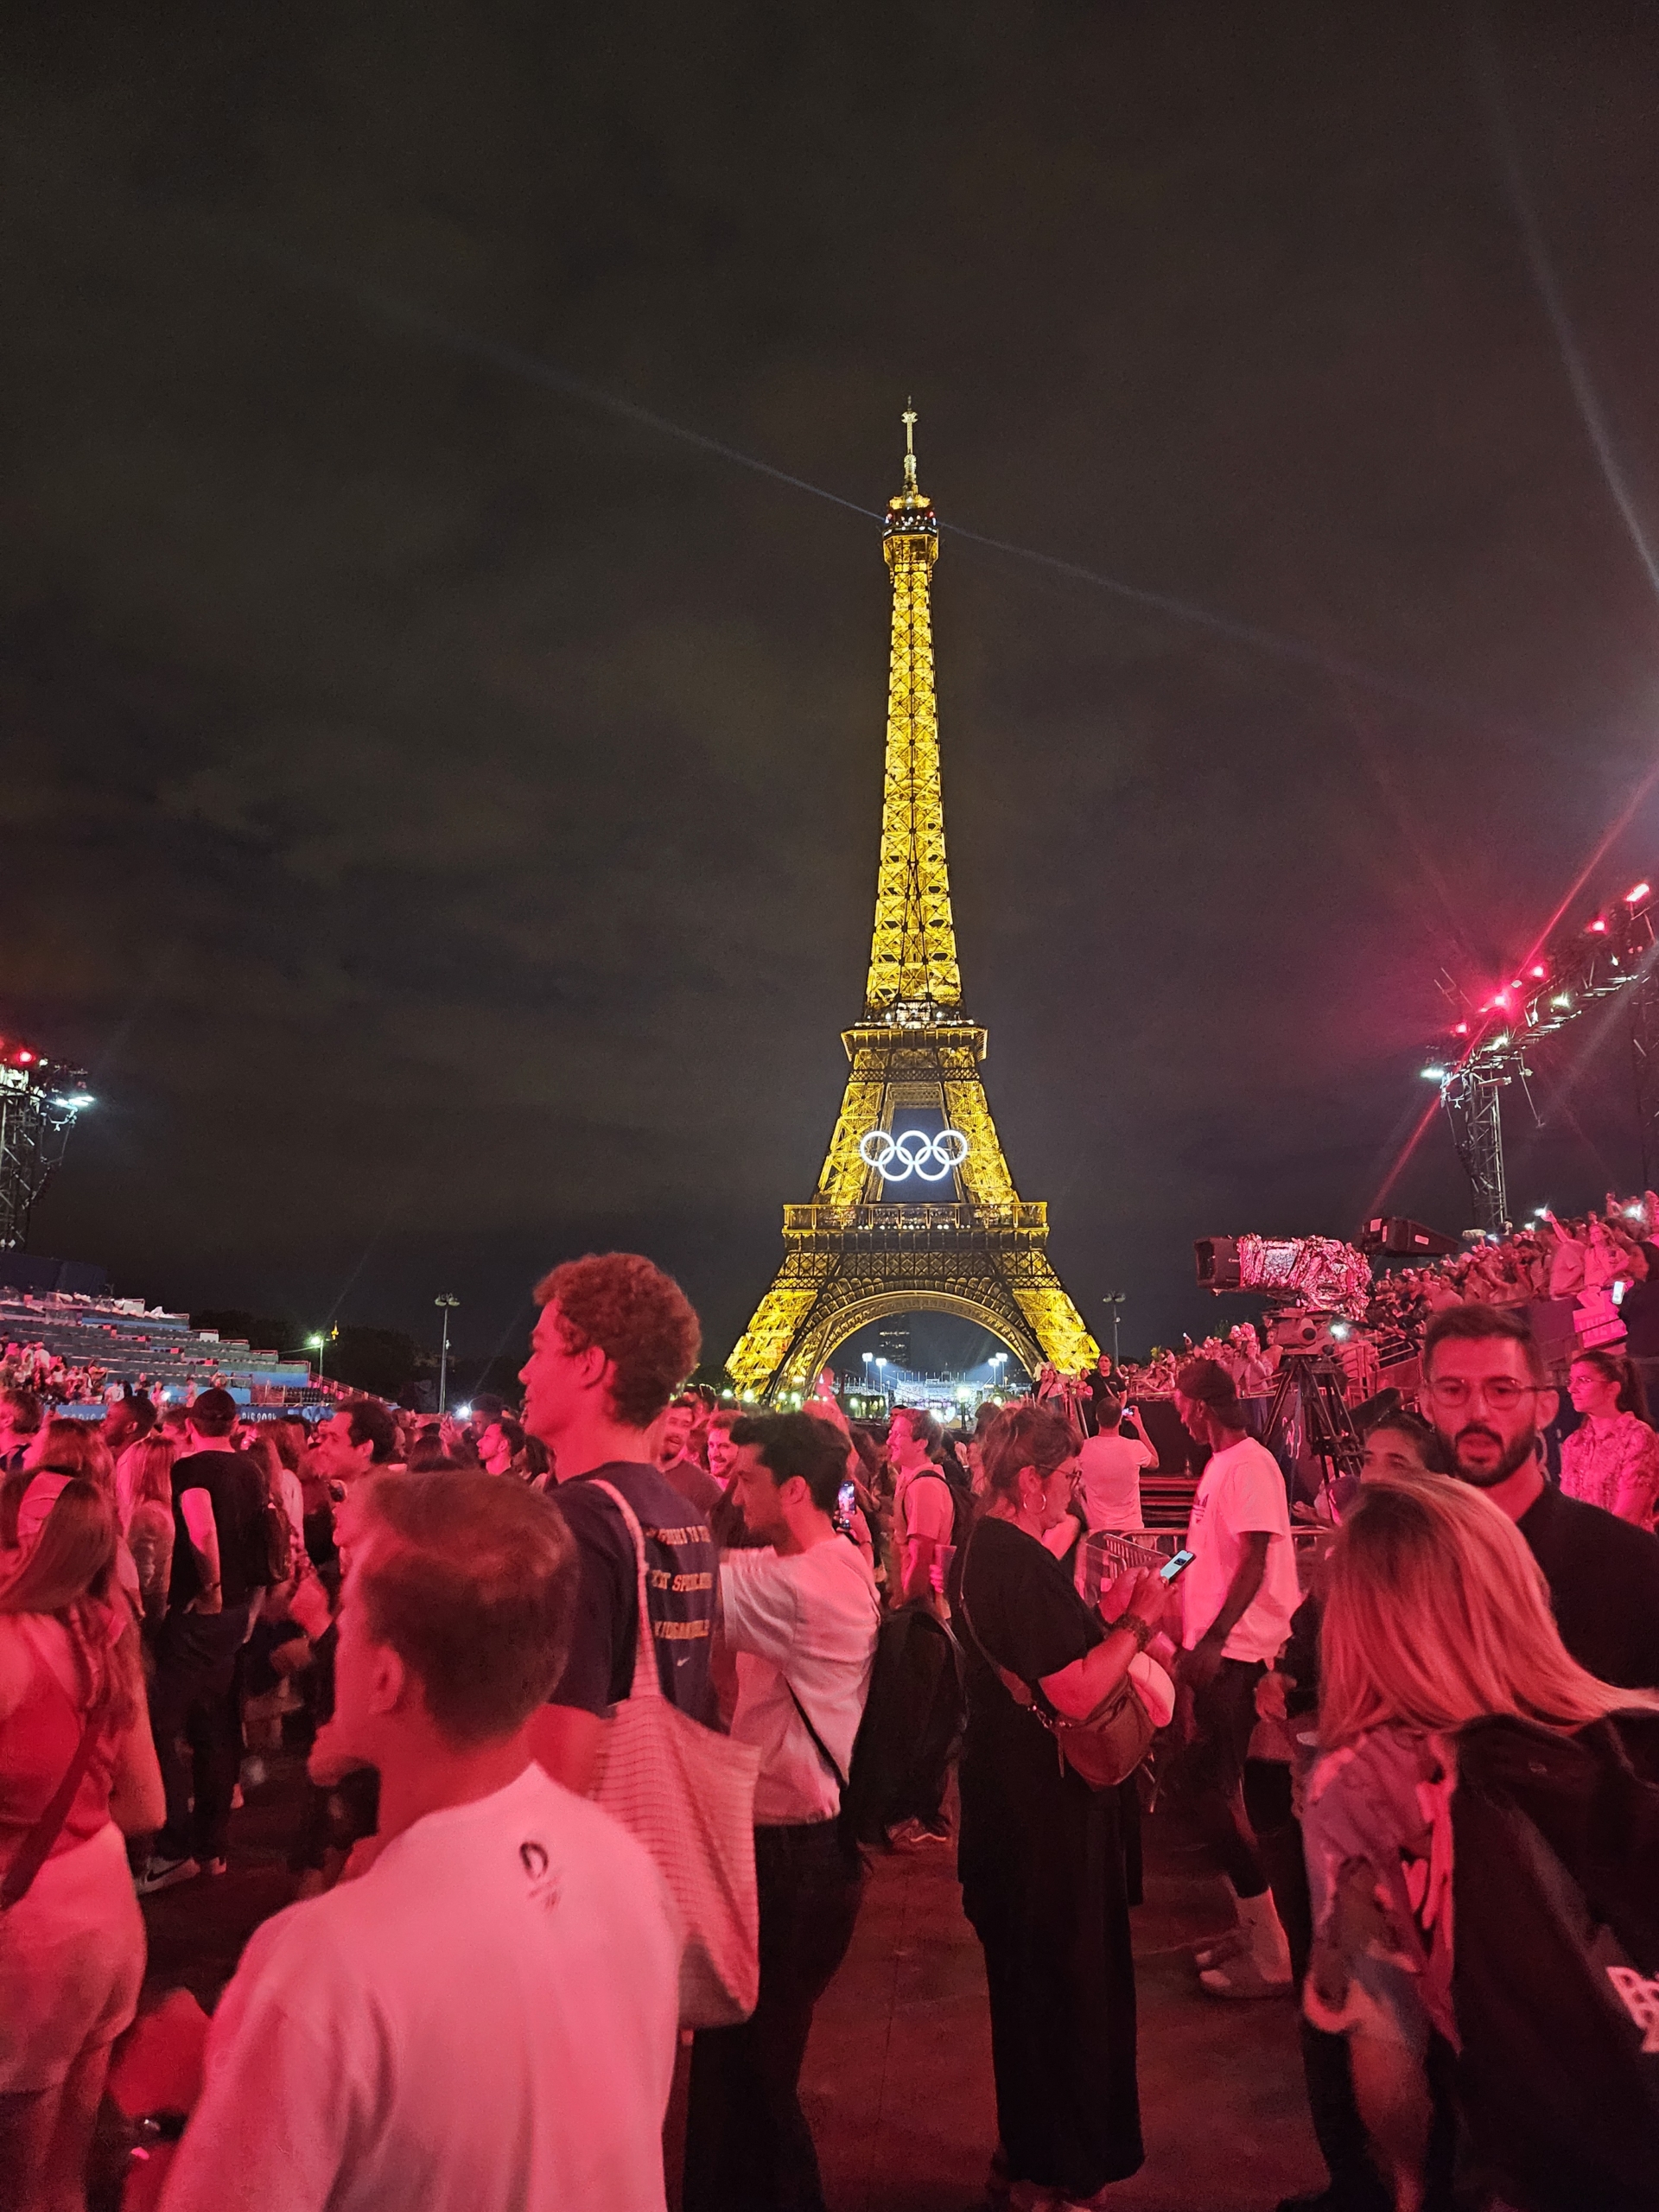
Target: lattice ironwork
(856, 1254)
(38, 1103)
(1617, 953)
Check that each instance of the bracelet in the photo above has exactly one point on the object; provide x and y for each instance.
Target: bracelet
(1142, 1632)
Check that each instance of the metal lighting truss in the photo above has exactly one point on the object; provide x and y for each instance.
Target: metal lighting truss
(1578, 969)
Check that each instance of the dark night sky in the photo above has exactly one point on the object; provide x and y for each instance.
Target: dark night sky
(442, 812)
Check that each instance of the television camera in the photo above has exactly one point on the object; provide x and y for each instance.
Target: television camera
(1318, 1290)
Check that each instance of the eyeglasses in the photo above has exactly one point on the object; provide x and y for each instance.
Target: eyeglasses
(1500, 1391)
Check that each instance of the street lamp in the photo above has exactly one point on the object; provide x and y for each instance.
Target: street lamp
(1115, 1299)
(320, 1343)
(445, 1302)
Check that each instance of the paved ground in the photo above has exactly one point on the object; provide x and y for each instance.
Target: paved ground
(898, 2079)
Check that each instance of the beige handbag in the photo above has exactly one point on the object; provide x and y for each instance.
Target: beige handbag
(687, 1793)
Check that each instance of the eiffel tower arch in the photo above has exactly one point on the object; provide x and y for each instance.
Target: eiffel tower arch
(915, 1210)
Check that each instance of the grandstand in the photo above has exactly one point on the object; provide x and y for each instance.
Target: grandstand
(132, 1344)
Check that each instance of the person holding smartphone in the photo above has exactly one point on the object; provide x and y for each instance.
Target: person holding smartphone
(1042, 1855)
(1109, 1470)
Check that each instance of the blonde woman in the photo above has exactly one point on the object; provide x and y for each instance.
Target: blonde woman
(76, 1771)
(145, 1473)
(59, 1451)
(1436, 1616)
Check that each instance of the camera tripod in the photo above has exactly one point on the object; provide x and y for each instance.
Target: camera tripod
(1308, 1419)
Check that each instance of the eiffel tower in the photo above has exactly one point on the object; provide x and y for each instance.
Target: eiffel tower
(915, 1209)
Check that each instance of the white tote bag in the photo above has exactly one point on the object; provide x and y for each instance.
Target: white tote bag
(688, 1793)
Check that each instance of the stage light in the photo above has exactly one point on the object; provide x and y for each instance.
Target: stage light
(463, 1413)
(1637, 894)
(1539, 972)
(1462, 1029)
(1562, 998)
(1599, 927)
(1433, 1075)
(1517, 984)
(24, 1059)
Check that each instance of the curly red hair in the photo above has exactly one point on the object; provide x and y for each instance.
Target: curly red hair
(640, 1320)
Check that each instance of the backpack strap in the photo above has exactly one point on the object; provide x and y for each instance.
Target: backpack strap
(818, 1744)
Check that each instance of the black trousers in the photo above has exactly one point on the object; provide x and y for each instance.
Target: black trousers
(194, 1696)
(1209, 1775)
(747, 2145)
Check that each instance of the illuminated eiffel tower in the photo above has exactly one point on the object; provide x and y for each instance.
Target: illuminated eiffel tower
(915, 1209)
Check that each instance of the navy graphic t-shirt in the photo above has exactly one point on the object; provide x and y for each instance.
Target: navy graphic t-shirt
(682, 1590)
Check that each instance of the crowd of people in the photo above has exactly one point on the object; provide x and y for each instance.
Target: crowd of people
(606, 1702)
(58, 1380)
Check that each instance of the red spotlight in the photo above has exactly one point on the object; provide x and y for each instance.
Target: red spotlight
(1638, 894)
(1539, 973)
(1599, 927)
(1462, 1029)
(23, 1058)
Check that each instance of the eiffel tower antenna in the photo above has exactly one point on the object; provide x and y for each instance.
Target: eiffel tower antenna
(915, 1209)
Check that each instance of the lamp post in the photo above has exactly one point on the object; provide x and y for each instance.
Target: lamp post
(319, 1343)
(446, 1303)
(1115, 1299)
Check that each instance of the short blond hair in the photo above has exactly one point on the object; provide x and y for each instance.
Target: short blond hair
(1436, 1613)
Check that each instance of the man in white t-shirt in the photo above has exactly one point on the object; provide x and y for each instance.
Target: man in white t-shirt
(1236, 1602)
(1109, 1469)
(485, 2019)
(801, 1616)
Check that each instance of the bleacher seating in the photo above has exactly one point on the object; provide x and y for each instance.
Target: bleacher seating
(133, 1344)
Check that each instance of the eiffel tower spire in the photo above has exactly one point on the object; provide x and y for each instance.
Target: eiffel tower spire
(913, 952)
(915, 1209)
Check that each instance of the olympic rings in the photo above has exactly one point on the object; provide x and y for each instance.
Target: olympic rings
(914, 1151)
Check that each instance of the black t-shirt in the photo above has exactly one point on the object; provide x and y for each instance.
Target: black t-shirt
(233, 1485)
(682, 1591)
(1603, 1585)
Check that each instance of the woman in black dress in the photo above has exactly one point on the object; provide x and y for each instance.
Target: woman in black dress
(1041, 1854)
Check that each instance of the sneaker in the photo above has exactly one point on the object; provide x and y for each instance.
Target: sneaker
(1217, 1949)
(1242, 1977)
(165, 1874)
(916, 1835)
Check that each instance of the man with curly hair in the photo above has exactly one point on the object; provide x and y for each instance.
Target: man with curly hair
(615, 1340)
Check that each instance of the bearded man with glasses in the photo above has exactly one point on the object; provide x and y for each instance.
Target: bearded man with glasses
(1487, 1393)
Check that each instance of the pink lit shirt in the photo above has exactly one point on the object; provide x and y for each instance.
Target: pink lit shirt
(1615, 1465)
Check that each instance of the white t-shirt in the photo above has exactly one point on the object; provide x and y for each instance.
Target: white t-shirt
(807, 1621)
(485, 2022)
(1241, 1492)
(1109, 1480)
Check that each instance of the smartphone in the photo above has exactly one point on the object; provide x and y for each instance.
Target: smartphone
(846, 1504)
(1176, 1566)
